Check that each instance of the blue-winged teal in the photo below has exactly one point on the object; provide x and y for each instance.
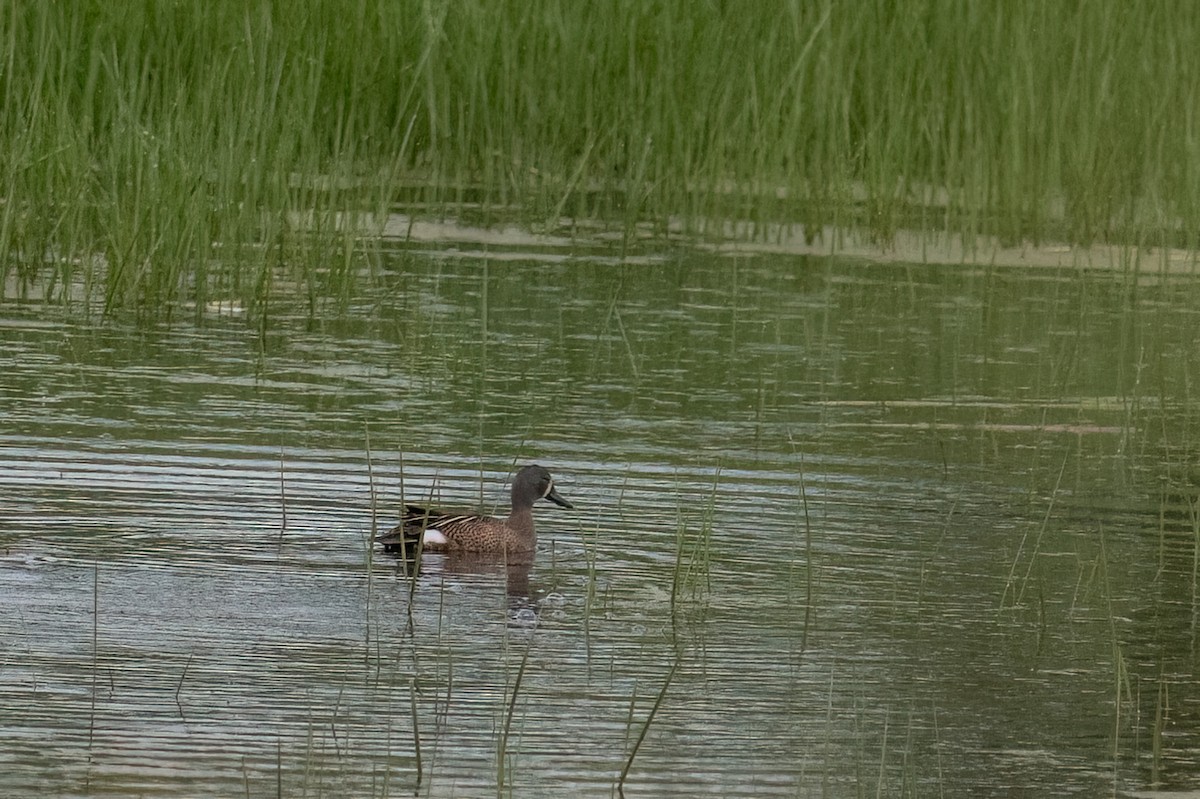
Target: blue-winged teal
(449, 532)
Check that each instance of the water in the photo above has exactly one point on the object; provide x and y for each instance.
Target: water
(886, 529)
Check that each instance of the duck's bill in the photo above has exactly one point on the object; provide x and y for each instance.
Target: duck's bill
(557, 499)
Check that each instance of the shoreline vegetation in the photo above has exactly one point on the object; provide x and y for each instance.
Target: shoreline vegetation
(161, 156)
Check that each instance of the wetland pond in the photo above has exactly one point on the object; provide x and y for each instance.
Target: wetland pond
(840, 529)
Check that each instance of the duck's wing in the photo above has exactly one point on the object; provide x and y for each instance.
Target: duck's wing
(419, 522)
(418, 518)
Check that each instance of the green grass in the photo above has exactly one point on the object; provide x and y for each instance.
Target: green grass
(163, 155)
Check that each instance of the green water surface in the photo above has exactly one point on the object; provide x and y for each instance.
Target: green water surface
(901, 530)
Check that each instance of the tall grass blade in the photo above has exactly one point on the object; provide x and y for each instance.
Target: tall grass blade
(658, 702)
(502, 743)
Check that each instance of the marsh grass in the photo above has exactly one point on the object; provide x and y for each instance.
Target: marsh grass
(503, 775)
(804, 522)
(1015, 587)
(591, 591)
(416, 728)
(1123, 691)
(95, 651)
(1161, 709)
(691, 576)
(645, 726)
(372, 533)
(162, 157)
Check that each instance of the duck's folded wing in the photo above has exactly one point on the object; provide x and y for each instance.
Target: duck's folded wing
(418, 518)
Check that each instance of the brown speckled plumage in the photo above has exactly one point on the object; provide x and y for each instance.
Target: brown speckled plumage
(474, 533)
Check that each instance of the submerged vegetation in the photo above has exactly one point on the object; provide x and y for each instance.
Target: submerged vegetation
(164, 153)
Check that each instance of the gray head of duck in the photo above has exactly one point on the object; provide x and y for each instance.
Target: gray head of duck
(533, 483)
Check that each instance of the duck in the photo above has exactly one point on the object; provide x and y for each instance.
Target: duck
(441, 531)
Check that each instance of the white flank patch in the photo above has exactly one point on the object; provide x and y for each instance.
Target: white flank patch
(433, 537)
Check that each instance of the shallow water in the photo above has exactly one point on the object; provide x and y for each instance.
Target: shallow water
(895, 529)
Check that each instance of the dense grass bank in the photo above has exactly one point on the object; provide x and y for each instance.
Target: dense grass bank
(162, 152)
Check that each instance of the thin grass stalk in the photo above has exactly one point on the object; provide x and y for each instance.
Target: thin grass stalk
(333, 736)
(1194, 517)
(1156, 734)
(658, 701)
(1123, 691)
(412, 694)
(373, 533)
(830, 738)
(182, 677)
(589, 597)
(937, 743)
(95, 650)
(808, 562)
(629, 713)
(415, 568)
(282, 498)
(502, 743)
(483, 369)
(1009, 585)
(449, 687)
(702, 555)
(678, 570)
(309, 760)
(883, 753)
